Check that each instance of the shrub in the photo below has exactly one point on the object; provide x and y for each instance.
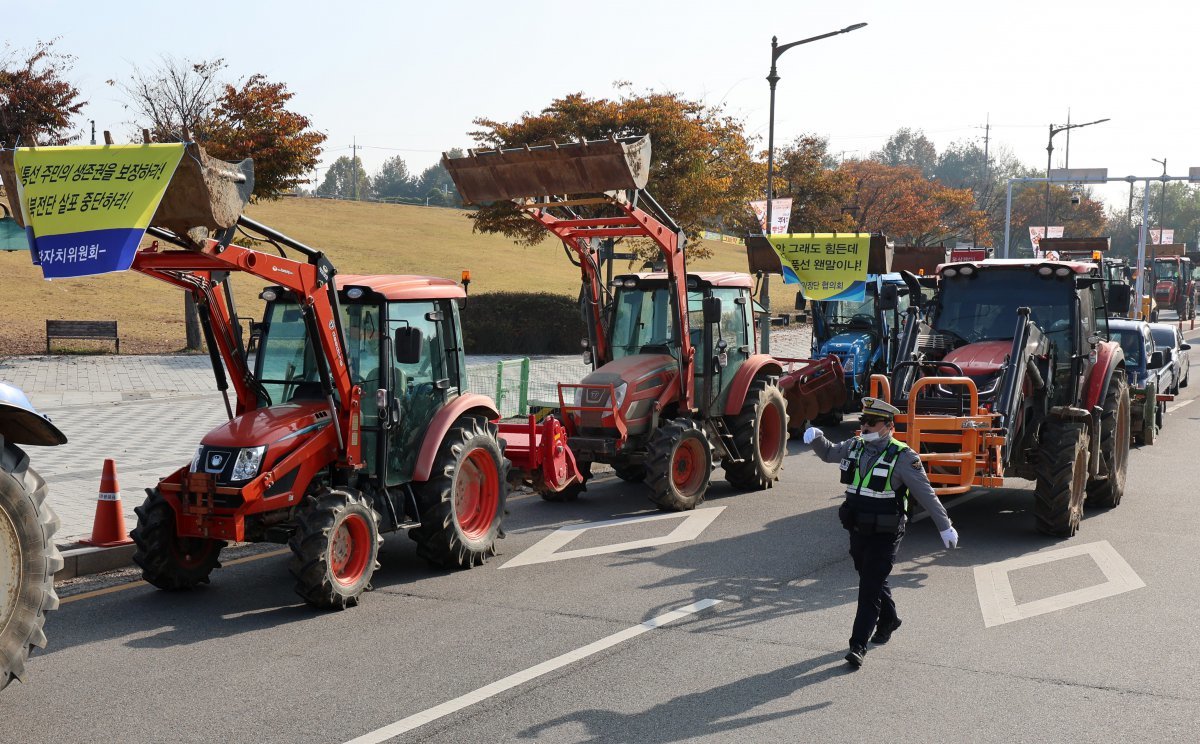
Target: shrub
(521, 323)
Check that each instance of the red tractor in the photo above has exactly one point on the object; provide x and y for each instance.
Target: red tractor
(676, 383)
(1174, 287)
(1012, 373)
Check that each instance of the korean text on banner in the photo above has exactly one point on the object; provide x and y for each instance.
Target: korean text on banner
(86, 208)
(828, 266)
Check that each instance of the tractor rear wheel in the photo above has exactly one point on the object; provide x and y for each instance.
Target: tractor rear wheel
(572, 491)
(462, 504)
(28, 561)
(632, 473)
(1062, 473)
(760, 434)
(167, 560)
(1114, 445)
(335, 548)
(680, 465)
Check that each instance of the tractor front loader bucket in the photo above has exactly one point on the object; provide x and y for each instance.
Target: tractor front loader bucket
(585, 167)
(205, 195)
(811, 387)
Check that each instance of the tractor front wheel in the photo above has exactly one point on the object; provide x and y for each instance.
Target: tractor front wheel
(28, 561)
(168, 561)
(462, 503)
(1114, 445)
(1062, 474)
(335, 548)
(680, 465)
(760, 434)
(572, 490)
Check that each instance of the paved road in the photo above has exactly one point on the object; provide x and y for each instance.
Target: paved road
(1013, 637)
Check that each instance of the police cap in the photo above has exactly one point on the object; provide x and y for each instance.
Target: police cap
(877, 407)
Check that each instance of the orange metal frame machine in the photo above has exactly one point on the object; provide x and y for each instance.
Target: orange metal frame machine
(200, 272)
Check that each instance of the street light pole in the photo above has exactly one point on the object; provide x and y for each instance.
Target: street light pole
(1049, 151)
(773, 78)
(1162, 200)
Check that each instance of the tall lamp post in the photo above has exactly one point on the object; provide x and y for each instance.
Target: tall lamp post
(1049, 151)
(1162, 200)
(773, 78)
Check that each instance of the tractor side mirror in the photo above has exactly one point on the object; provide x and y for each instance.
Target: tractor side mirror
(1118, 299)
(712, 309)
(889, 297)
(1156, 360)
(801, 303)
(408, 345)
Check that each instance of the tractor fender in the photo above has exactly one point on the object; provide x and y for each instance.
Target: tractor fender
(1108, 357)
(441, 423)
(757, 364)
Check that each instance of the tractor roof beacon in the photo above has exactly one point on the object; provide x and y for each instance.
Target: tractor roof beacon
(1013, 374)
(675, 382)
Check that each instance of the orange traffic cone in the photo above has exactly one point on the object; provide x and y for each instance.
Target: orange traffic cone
(108, 528)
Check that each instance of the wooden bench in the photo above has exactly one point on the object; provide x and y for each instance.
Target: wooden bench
(102, 329)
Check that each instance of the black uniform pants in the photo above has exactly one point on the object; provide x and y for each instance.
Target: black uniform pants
(874, 554)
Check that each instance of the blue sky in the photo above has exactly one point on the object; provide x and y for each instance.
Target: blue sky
(406, 78)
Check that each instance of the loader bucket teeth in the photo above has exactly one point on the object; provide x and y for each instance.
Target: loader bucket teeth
(585, 167)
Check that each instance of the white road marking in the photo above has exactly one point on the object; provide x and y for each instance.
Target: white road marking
(1179, 405)
(548, 548)
(996, 595)
(513, 680)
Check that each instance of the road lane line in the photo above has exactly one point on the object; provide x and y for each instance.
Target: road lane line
(513, 680)
(137, 583)
(1179, 405)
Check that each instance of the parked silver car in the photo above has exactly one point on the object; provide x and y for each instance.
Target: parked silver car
(1169, 340)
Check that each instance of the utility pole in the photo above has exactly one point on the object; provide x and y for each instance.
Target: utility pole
(1162, 199)
(1067, 158)
(93, 131)
(354, 167)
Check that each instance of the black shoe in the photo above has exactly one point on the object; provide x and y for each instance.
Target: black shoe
(883, 633)
(856, 655)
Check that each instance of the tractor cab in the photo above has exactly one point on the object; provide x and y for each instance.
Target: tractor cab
(403, 353)
(863, 334)
(1173, 285)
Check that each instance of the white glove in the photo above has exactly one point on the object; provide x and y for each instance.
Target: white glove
(810, 434)
(950, 537)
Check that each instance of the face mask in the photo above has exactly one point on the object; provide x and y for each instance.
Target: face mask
(870, 436)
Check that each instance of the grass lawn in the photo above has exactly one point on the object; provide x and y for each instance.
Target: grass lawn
(359, 237)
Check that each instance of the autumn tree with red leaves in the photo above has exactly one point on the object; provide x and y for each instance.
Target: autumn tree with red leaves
(253, 121)
(901, 203)
(36, 102)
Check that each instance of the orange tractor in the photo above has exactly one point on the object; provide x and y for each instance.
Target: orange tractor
(676, 384)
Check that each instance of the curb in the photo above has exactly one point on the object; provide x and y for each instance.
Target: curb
(86, 561)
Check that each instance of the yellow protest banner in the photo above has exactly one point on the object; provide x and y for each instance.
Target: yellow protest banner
(828, 266)
(86, 208)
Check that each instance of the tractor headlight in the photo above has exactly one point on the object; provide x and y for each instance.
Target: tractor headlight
(196, 459)
(619, 391)
(248, 461)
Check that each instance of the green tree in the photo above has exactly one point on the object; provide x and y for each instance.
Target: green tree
(36, 101)
(340, 178)
(393, 179)
(909, 147)
(436, 186)
(253, 121)
(702, 168)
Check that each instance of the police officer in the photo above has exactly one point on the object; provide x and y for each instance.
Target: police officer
(880, 473)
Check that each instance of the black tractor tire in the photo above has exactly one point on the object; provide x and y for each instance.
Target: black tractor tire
(1062, 473)
(680, 465)
(830, 418)
(168, 561)
(631, 473)
(462, 504)
(335, 548)
(1114, 445)
(572, 491)
(760, 434)
(28, 562)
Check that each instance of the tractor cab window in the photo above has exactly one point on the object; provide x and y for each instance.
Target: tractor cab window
(984, 307)
(851, 313)
(421, 387)
(643, 323)
(286, 364)
(1166, 269)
